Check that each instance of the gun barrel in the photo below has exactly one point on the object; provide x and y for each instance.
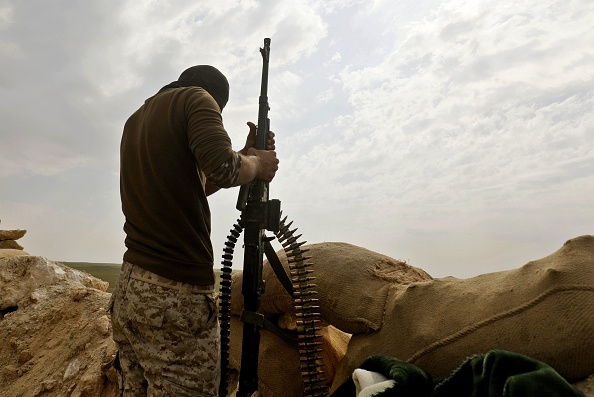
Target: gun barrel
(263, 120)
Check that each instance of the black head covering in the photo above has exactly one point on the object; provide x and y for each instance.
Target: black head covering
(207, 77)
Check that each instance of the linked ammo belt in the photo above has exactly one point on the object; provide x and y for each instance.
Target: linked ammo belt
(141, 274)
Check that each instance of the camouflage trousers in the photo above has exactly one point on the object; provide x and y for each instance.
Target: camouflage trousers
(167, 334)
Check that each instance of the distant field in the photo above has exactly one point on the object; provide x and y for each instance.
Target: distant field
(105, 271)
(110, 271)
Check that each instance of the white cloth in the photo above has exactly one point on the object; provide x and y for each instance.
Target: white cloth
(368, 383)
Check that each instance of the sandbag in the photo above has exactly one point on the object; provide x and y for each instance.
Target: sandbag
(352, 284)
(544, 310)
(279, 373)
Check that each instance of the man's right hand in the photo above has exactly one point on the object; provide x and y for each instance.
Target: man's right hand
(267, 163)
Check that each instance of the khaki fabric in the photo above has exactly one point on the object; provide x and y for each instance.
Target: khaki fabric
(352, 284)
(544, 310)
(278, 368)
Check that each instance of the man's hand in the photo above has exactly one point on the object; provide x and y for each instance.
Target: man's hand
(251, 139)
(267, 163)
(257, 164)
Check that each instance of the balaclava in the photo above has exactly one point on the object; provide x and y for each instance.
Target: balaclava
(207, 77)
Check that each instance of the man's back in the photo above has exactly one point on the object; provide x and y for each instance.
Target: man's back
(168, 146)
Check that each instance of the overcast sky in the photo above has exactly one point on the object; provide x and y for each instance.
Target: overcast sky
(455, 135)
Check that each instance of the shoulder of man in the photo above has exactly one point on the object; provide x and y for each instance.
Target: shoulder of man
(194, 96)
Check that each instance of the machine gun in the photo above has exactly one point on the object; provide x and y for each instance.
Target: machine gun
(258, 215)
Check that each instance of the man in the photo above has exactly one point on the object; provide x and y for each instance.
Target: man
(174, 153)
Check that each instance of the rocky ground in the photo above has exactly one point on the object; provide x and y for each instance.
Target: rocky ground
(54, 331)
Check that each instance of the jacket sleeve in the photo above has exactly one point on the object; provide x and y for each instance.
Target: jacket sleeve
(207, 137)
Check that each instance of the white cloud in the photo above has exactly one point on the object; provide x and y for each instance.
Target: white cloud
(39, 159)
(325, 96)
(6, 16)
(434, 134)
(66, 234)
(331, 6)
(226, 34)
(334, 59)
(486, 109)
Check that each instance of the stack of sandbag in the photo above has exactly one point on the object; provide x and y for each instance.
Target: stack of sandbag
(9, 245)
(544, 310)
(353, 284)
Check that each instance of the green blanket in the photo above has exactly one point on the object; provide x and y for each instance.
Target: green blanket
(498, 373)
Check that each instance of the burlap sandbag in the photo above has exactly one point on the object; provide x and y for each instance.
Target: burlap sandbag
(353, 283)
(544, 310)
(279, 373)
(346, 276)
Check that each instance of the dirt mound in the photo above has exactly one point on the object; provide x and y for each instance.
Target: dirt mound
(54, 331)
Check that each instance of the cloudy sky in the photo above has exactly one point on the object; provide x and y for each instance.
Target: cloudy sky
(457, 135)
